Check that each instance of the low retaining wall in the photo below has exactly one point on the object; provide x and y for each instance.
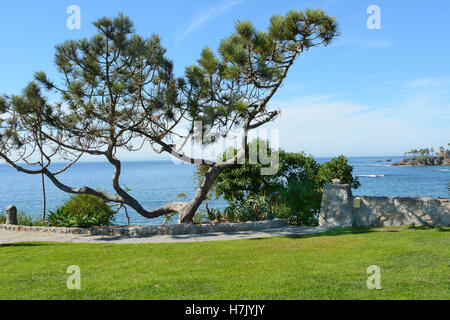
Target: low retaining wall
(341, 209)
(157, 230)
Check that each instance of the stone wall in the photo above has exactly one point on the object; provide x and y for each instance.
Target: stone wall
(341, 209)
(138, 231)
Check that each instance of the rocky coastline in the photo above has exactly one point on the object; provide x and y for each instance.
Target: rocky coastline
(424, 161)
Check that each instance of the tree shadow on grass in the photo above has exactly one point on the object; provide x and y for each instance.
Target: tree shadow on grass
(28, 244)
(173, 237)
(334, 232)
(438, 228)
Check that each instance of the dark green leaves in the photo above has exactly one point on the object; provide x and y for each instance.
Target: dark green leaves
(208, 61)
(298, 183)
(338, 168)
(245, 29)
(76, 89)
(303, 26)
(41, 77)
(277, 27)
(3, 105)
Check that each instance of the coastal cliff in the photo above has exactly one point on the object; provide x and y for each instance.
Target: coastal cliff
(426, 157)
(426, 161)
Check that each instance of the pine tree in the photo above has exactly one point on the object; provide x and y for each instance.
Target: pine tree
(118, 90)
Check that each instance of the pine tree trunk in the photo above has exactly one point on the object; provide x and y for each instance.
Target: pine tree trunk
(44, 197)
(186, 215)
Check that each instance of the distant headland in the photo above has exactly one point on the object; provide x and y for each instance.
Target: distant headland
(426, 157)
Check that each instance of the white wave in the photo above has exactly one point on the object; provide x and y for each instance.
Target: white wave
(371, 175)
(444, 170)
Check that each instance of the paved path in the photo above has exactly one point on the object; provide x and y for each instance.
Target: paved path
(16, 237)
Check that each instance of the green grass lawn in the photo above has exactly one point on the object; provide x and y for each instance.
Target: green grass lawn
(415, 264)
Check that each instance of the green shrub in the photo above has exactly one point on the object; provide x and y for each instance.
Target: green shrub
(338, 168)
(294, 193)
(255, 208)
(229, 214)
(282, 210)
(298, 202)
(213, 214)
(82, 211)
(23, 219)
(200, 218)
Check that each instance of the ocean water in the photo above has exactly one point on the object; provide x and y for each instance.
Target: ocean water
(382, 179)
(154, 183)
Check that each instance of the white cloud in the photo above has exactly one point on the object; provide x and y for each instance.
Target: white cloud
(327, 126)
(428, 83)
(205, 16)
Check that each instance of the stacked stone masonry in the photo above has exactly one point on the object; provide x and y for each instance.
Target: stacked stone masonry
(341, 209)
(139, 231)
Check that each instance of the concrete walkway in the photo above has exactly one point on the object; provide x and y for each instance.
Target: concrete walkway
(8, 237)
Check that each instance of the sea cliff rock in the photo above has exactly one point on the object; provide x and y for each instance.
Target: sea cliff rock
(426, 161)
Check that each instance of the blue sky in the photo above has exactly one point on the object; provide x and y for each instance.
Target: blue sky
(371, 92)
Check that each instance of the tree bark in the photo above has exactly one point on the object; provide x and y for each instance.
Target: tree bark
(186, 214)
(44, 197)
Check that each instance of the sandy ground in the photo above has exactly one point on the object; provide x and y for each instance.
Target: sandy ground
(7, 237)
